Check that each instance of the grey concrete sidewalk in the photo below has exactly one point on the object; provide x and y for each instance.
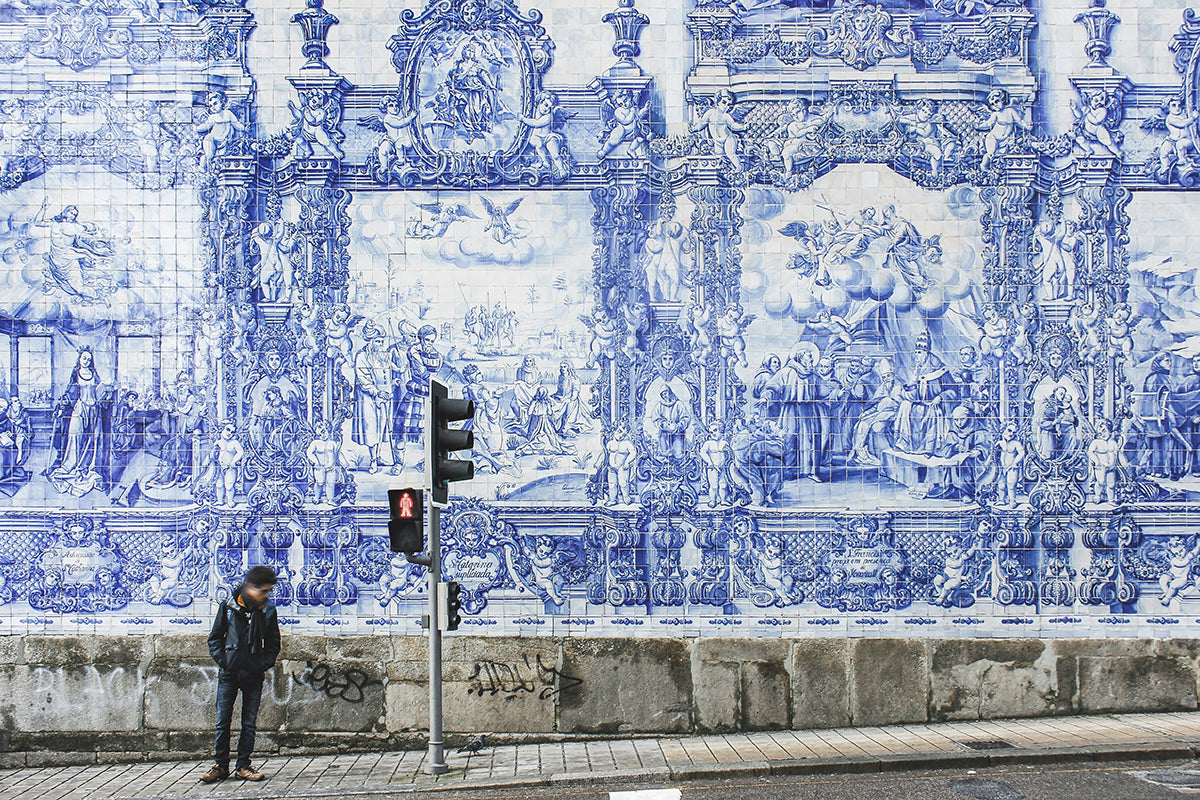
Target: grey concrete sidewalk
(944, 745)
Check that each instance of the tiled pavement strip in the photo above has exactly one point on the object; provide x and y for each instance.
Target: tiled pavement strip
(1103, 738)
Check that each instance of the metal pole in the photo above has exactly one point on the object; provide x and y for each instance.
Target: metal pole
(435, 764)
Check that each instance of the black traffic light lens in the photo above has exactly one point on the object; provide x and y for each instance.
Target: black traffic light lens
(406, 537)
(453, 410)
(451, 439)
(453, 470)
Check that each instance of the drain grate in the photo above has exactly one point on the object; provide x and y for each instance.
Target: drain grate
(987, 744)
(982, 789)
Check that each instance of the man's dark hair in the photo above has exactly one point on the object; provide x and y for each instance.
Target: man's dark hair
(261, 576)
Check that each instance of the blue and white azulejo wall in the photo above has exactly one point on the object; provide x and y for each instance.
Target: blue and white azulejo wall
(781, 317)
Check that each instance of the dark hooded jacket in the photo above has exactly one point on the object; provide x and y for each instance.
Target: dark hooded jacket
(244, 641)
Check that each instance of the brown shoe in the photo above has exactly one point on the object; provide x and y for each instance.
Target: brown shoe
(249, 774)
(214, 774)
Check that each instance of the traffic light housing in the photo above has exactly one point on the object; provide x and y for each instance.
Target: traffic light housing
(449, 605)
(406, 527)
(444, 440)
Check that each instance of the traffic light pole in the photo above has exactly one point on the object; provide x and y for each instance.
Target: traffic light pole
(441, 442)
(435, 762)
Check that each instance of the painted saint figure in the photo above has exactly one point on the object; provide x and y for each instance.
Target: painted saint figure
(423, 363)
(79, 436)
(921, 418)
(489, 450)
(276, 277)
(672, 420)
(1060, 243)
(473, 94)
(795, 392)
(532, 415)
(77, 251)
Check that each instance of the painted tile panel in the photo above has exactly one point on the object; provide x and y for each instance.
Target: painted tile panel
(846, 318)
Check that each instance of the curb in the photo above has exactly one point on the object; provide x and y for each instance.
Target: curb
(1159, 751)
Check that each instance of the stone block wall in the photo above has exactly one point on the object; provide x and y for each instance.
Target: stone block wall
(153, 696)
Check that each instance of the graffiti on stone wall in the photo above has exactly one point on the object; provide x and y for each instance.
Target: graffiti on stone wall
(347, 684)
(517, 678)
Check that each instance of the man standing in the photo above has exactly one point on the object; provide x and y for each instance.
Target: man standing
(245, 643)
(921, 418)
(795, 389)
(373, 392)
(424, 361)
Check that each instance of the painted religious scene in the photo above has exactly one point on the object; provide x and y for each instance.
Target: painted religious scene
(862, 344)
(488, 292)
(107, 348)
(840, 318)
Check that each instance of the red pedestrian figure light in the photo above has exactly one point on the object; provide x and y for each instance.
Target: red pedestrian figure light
(406, 526)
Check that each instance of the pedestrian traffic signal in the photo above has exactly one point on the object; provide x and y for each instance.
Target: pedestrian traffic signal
(406, 528)
(445, 440)
(449, 603)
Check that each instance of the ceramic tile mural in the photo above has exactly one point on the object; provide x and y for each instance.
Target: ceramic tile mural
(781, 317)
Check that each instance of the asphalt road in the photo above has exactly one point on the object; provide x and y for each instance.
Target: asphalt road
(1103, 781)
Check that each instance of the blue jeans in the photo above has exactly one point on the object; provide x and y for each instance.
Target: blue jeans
(228, 687)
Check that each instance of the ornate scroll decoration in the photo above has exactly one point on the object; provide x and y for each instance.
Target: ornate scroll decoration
(470, 86)
(864, 570)
(477, 550)
(276, 533)
(864, 40)
(667, 577)
(1114, 544)
(617, 575)
(1007, 227)
(80, 570)
(327, 577)
(1056, 576)
(861, 36)
(78, 35)
(713, 580)
(620, 315)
